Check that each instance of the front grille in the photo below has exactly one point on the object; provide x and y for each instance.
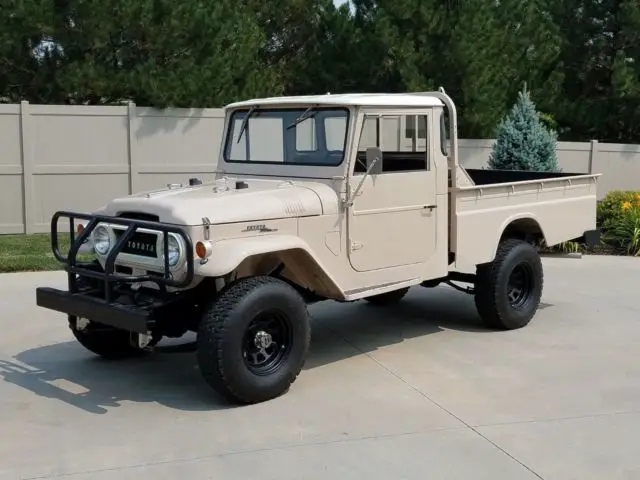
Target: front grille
(141, 243)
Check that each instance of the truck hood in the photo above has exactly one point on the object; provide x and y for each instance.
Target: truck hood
(222, 202)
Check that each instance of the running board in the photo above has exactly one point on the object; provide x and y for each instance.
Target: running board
(359, 293)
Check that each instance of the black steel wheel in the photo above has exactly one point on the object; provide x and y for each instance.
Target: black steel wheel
(267, 342)
(253, 339)
(520, 285)
(508, 290)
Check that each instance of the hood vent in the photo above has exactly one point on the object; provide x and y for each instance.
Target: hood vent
(139, 216)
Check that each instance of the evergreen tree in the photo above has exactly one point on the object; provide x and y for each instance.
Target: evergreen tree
(523, 143)
(313, 44)
(155, 52)
(26, 62)
(479, 50)
(580, 57)
(599, 67)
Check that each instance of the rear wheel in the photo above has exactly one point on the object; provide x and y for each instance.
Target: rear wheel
(508, 290)
(253, 340)
(388, 298)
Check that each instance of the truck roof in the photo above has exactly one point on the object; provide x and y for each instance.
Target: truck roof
(351, 99)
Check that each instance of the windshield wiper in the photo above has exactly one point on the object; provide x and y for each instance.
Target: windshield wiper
(308, 113)
(245, 121)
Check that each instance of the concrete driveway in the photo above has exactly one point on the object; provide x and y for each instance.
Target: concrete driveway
(420, 391)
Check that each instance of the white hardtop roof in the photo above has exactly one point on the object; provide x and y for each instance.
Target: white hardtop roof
(350, 99)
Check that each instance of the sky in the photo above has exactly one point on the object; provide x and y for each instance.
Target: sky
(341, 2)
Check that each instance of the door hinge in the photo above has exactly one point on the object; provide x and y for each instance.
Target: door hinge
(355, 246)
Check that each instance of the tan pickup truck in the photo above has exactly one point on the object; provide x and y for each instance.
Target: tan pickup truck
(340, 197)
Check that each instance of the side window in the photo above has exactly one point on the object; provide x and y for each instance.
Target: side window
(401, 152)
(444, 134)
(410, 130)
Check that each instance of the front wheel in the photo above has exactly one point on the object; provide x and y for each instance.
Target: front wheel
(253, 340)
(508, 290)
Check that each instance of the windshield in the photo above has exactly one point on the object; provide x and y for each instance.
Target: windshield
(304, 136)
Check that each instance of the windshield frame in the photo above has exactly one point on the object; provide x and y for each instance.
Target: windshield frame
(316, 114)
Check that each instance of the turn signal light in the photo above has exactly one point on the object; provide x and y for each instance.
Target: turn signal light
(203, 249)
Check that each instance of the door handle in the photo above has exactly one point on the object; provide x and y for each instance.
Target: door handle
(430, 207)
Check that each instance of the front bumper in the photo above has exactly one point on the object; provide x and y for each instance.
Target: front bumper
(125, 317)
(104, 295)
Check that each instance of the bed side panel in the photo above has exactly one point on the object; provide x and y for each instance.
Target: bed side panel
(563, 208)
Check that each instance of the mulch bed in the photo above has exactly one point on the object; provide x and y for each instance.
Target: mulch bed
(602, 249)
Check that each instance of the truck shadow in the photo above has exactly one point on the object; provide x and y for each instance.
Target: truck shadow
(68, 373)
(361, 328)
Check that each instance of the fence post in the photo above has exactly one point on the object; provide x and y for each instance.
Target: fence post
(132, 144)
(26, 150)
(593, 155)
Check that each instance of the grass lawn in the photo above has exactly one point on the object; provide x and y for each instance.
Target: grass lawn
(25, 253)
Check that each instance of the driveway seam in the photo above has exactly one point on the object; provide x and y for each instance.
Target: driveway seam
(427, 397)
(556, 419)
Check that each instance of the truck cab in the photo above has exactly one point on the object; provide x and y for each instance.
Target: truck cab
(327, 197)
(379, 171)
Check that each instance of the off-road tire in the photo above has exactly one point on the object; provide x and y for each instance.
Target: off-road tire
(107, 342)
(388, 298)
(222, 334)
(493, 284)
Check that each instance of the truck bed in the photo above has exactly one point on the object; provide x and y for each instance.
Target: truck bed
(560, 205)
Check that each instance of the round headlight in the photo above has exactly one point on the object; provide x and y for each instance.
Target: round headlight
(174, 251)
(101, 240)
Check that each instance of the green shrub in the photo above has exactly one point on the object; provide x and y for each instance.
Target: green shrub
(610, 212)
(549, 121)
(569, 247)
(623, 226)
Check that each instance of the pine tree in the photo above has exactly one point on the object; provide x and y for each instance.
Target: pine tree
(522, 142)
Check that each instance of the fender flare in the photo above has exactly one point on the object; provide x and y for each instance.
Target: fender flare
(228, 254)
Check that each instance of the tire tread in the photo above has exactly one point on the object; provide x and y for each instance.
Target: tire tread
(213, 330)
(487, 275)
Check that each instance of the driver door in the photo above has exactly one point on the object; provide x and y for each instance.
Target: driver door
(392, 221)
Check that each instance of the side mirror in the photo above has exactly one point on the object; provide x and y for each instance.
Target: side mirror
(374, 160)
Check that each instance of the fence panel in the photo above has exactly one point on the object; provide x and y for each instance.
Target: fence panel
(56, 157)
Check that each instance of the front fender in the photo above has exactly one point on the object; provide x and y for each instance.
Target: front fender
(227, 255)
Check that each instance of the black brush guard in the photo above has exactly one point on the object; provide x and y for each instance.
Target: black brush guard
(98, 305)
